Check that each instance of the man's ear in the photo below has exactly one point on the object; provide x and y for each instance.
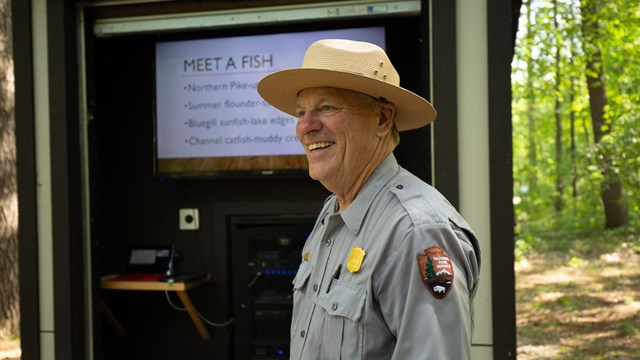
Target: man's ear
(385, 120)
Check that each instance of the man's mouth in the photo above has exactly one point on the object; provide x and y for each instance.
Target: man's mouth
(319, 145)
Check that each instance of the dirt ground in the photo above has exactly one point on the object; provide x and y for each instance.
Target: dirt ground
(572, 307)
(10, 350)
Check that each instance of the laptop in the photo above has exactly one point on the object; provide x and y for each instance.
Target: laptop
(148, 263)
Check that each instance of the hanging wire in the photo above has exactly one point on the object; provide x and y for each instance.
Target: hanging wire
(176, 307)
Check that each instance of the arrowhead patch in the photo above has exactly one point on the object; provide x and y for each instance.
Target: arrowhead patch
(436, 271)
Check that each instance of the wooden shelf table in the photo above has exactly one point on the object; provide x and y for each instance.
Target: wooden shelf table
(112, 282)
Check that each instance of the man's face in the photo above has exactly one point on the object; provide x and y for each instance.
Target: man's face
(339, 132)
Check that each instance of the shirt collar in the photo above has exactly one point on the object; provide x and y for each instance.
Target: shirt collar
(354, 214)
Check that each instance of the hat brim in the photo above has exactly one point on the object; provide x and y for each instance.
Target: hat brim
(281, 89)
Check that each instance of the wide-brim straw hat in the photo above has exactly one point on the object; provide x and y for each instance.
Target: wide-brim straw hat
(352, 65)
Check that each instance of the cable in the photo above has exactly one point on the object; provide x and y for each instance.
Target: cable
(176, 307)
(255, 278)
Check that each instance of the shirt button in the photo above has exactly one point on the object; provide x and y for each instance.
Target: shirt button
(302, 333)
(315, 287)
(327, 242)
(399, 187)
(334, 306)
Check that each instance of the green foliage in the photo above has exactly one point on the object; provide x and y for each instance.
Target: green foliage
(628, 329)
(575, 240)
(539, 82)
(576, 261)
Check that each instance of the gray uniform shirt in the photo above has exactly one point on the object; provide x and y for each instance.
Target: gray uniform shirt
(385, 309)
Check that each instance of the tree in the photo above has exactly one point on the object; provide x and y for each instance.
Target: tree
(574, 81)
(611, 186)
(430, 273)
(530, 99)
(557, 95)
(9, 295)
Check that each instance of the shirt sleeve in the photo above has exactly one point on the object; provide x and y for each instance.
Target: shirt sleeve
(426, 325)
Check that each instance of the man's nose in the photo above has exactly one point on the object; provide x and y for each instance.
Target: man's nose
(307, 123)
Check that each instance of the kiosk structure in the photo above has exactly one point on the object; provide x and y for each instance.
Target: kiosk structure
(138, 123)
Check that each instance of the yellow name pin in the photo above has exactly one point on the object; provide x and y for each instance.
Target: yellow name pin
(355, 259)
(306, 256)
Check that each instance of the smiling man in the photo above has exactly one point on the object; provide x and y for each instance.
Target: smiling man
(343, 153)
(391, 269)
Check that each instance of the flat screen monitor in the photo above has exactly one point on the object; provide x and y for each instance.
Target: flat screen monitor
(210, 120)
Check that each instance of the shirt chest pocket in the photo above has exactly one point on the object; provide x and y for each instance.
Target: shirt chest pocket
(299, 290)
(343, 329)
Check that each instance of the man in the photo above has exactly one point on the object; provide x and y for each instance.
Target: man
(390, 269)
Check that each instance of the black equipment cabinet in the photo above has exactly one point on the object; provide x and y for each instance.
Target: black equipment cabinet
(266, 253)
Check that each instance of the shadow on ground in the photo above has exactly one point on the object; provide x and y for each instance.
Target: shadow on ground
(571, 307)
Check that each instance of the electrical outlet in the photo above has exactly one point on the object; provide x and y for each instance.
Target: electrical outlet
(189, 219)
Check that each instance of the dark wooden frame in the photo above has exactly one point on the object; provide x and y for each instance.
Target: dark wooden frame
(25, 148)
(499, 42)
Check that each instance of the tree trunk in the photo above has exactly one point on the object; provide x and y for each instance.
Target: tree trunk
(9, 295)
(611, 189)
(557, 201)
(572, 134)
(532, 156)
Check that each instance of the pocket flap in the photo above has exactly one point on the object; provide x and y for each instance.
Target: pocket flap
(303, 274)
(344, 299)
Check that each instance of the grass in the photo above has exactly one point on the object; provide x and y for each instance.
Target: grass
(578, 296)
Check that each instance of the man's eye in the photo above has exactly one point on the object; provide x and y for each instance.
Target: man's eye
(300, 114)
(325, 108)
